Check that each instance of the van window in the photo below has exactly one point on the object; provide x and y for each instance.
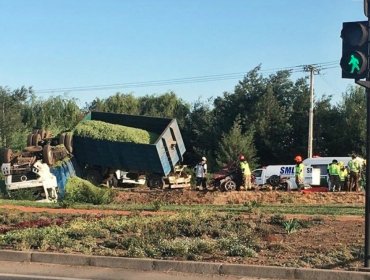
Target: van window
(257, 173)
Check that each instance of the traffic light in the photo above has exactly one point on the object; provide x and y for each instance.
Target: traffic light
(354, 50)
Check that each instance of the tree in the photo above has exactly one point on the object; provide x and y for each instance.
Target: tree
(55, 114)
(198, 132)
(166, 105)
(353, 108)
(12, 130)
(235, 143)
(272, 129)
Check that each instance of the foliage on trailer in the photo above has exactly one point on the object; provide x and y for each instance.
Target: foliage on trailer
(106, 131)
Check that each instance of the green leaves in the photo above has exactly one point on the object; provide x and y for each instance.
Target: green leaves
(112, 132)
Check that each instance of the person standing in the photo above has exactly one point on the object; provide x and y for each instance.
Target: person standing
(354, 173)
(343, 176)
(334, 171)
(246, 172)
(200, 174)
(299, 176)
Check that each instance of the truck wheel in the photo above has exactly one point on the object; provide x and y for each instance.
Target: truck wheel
(42, 133)
(155, 182)
(68, 142)
(229, 186)
(112, 181)
(62, 137)
(94, 176)
(47, 154)
(8, 154)
(29, 139)
(36, 138)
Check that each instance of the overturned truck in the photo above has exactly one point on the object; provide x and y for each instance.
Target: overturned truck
(115, 160)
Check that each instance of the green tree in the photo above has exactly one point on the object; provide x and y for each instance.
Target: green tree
(12, 130)
(353, 108)
(55, 114)
(198, 132)
(272, 129)
(235, 143)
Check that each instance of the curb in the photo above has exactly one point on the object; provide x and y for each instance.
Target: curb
(183, 266)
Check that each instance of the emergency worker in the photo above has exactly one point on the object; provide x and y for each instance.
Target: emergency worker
(354, 173)
(200, 174)
(246, 172)
(299, 176)
(333, 170)
(343, 176)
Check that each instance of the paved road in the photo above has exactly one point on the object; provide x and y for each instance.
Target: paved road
(27, 271)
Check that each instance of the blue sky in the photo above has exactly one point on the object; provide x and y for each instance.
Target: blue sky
(50, 44)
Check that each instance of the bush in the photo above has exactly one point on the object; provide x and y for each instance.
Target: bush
(79, 190)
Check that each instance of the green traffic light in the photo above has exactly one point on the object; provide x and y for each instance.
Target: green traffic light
(354, 62)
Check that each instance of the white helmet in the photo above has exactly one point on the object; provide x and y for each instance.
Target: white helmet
(204, 158)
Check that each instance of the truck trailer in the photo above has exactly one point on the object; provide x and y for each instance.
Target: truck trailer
(112, 162)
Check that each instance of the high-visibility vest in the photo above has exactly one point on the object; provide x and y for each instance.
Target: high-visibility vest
(343, 173)
(334, 169)
(299, 170)
(244, 166)
(354, 166)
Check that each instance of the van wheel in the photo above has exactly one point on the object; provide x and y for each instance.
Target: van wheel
(274, 180)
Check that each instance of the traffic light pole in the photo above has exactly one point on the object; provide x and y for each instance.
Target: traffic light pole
(367, 192)
(366, 84)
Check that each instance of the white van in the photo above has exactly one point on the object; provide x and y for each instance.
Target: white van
(271, 174)
(315, 172)
(319, 165)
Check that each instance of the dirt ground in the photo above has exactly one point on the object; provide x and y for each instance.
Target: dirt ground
(330, 242)
(239, 197)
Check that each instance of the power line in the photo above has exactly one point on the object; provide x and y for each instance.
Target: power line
(187, 80)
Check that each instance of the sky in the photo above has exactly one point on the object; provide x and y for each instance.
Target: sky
(197, 48)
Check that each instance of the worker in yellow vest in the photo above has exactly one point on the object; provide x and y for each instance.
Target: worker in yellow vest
(299, 176)
(354, 173)
(333, 170)
(246, 172)
(343, 176)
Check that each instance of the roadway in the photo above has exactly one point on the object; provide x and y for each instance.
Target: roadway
(36, 271)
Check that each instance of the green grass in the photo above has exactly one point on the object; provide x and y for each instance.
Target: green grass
(355, 210)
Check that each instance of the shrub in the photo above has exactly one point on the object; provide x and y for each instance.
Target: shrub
(79, 190)
(234, 247)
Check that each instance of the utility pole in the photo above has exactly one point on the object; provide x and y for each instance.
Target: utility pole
(313, 70)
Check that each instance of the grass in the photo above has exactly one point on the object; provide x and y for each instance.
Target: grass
(335, 210)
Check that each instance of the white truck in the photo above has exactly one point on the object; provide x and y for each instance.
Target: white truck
(315, 172)
(40, 181)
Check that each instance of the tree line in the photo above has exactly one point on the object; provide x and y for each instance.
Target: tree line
(263, 118)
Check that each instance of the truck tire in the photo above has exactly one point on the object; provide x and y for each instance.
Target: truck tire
(155, 182)
(42, 133)
(36, 138)
(29, 139)
(94, 176)
(112, 181)
(8, 154)
(62, 137)
(47, 154)
(68, 142)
